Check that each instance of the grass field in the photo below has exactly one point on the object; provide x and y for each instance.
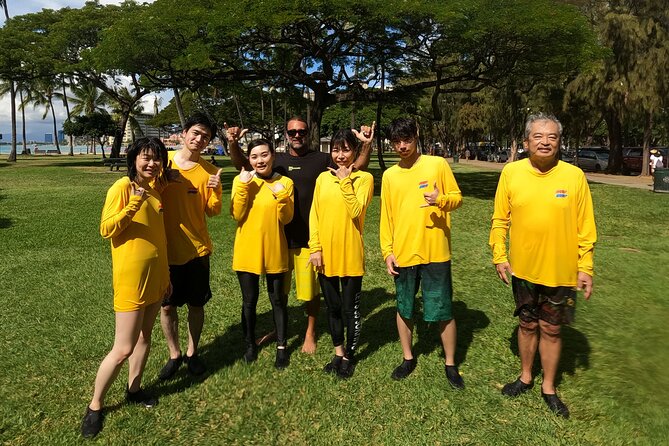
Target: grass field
(56, 324)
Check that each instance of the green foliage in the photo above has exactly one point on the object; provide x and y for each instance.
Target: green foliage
(95, 125)
(58, 324)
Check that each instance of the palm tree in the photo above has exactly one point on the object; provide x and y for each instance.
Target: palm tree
(88, 99)
(41, 95)
(63, 96)
(20, 88)
(12, 94)
(118, 111)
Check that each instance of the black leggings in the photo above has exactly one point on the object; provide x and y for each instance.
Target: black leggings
(249, 283)
(343, 308)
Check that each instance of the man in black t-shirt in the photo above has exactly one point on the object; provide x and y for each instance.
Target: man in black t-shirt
(303, 166)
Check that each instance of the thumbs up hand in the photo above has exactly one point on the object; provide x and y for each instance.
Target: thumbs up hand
(431, 197)
(215, 180)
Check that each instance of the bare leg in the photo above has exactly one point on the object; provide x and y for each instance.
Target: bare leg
(527, 347)
(128, 326)
(169, 321)
(550, 345)
(312, 308)
(195, 324)
(405, 330)
(448, 334)
(137, 360)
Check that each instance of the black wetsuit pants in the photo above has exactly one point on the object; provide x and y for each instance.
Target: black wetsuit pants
(249, 284)
(342, 296)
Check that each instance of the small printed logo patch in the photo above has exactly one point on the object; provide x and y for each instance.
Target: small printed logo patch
(422, 185)
(561, 193)
(291, 168)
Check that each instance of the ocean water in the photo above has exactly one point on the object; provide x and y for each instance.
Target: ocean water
(64, 149)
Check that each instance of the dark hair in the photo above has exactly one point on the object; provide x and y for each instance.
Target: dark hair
(296, 118)
(203, 119)
(256, 143)
(153, 145)
(343, 137)
(402, 129)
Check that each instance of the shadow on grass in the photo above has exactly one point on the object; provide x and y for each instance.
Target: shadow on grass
(575, 353)
(379, 328)
(478, 184)
(6, 222)
(468, 321)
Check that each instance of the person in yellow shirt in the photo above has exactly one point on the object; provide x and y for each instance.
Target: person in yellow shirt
(262, 204)
(417, 196)
(188, 201)
(546, 207)
(336, 219)
(302, 163)
(132, 218)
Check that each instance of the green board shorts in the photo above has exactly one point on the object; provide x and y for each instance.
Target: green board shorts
(434, 280)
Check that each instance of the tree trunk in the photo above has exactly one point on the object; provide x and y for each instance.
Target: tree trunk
(314, 116)
(12, 94)
(647, 134)
(120, 131)
(379, 142)
(55, 128)
(67, 109)
(179, 106)
(23, 125)
(614, 127)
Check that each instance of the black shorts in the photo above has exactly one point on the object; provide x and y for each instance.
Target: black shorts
(190, 283)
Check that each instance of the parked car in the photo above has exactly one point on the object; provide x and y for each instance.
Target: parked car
(633, 159)
(593, 160)
(500, 155)
(568, 156)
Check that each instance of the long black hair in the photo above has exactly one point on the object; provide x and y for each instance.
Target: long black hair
(152, 145)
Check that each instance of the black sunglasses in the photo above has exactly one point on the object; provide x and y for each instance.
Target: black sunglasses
(293, 132)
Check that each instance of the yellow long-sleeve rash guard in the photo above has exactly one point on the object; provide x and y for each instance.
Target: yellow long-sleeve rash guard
(550, 220)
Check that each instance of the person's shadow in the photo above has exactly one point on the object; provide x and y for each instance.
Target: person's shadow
(378, 327)
(228, 348)
(575, 352)
(468, 320)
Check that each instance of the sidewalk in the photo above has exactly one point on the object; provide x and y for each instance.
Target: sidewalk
(636, 181)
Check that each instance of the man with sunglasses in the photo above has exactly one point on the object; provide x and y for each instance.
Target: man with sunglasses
(303, 165)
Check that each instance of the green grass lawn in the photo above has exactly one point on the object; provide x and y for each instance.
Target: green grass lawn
(56, 324)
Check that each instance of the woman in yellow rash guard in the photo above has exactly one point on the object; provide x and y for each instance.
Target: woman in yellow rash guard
(262, 203)
(132, 219)
(336, 219)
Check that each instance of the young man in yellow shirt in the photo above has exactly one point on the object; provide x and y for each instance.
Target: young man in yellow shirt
(417, 196)
(546, 207)
(187, 202)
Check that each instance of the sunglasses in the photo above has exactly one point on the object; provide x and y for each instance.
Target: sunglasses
(293, 132)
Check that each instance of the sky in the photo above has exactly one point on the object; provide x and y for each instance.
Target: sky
(36, 128)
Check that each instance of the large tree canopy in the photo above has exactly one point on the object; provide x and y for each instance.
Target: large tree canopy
(340, 51)
(344, 50)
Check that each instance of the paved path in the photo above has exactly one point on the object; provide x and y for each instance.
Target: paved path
(636, 181)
